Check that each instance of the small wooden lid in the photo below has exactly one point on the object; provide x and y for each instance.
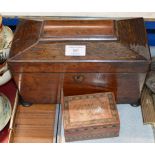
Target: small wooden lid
(89, 110)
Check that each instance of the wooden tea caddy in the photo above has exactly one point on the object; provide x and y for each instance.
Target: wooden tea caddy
(117, 59)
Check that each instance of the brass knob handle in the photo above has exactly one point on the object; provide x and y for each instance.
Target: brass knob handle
(78, 78)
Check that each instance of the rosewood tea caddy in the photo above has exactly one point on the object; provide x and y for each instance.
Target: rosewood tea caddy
(115, 58)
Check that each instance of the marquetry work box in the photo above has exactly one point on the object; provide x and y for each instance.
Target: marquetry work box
(89, 116)
(82, 56)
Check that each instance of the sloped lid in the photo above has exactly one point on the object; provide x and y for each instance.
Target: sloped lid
(106, 41)
(95, 50)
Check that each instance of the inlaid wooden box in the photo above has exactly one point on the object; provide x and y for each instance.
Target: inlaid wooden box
(90, 116)
(116, 58)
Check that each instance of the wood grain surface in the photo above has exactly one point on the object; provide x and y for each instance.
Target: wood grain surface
(38, 58)
(34, 124)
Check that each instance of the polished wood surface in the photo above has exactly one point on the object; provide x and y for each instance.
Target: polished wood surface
(133, 34)
(76, 67)
(78, 29)
(39, 87)
(120, 84)
(96, 50)
(117, 58)
(34, 124)
(28, 33)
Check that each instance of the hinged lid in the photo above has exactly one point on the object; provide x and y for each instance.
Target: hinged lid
(89, 110)
(109, 43)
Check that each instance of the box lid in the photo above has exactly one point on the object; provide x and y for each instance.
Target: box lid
(44, 42)
(88, 110)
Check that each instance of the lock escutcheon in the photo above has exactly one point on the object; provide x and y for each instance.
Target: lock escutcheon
(78, 78)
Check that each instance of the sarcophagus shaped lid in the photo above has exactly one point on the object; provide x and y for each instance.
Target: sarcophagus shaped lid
(82, 41)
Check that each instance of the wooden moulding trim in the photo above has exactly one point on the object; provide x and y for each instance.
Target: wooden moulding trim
(79, 61)
(81, 38)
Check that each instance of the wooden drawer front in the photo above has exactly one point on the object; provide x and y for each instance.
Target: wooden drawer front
(38, 87)
(86, 83)
(126, 86)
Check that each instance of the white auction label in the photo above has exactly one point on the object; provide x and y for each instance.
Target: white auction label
(75, 50)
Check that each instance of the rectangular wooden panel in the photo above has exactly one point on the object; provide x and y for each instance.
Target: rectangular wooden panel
(38, 88)
(63, 29)
(35, 124)
(126, 87)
